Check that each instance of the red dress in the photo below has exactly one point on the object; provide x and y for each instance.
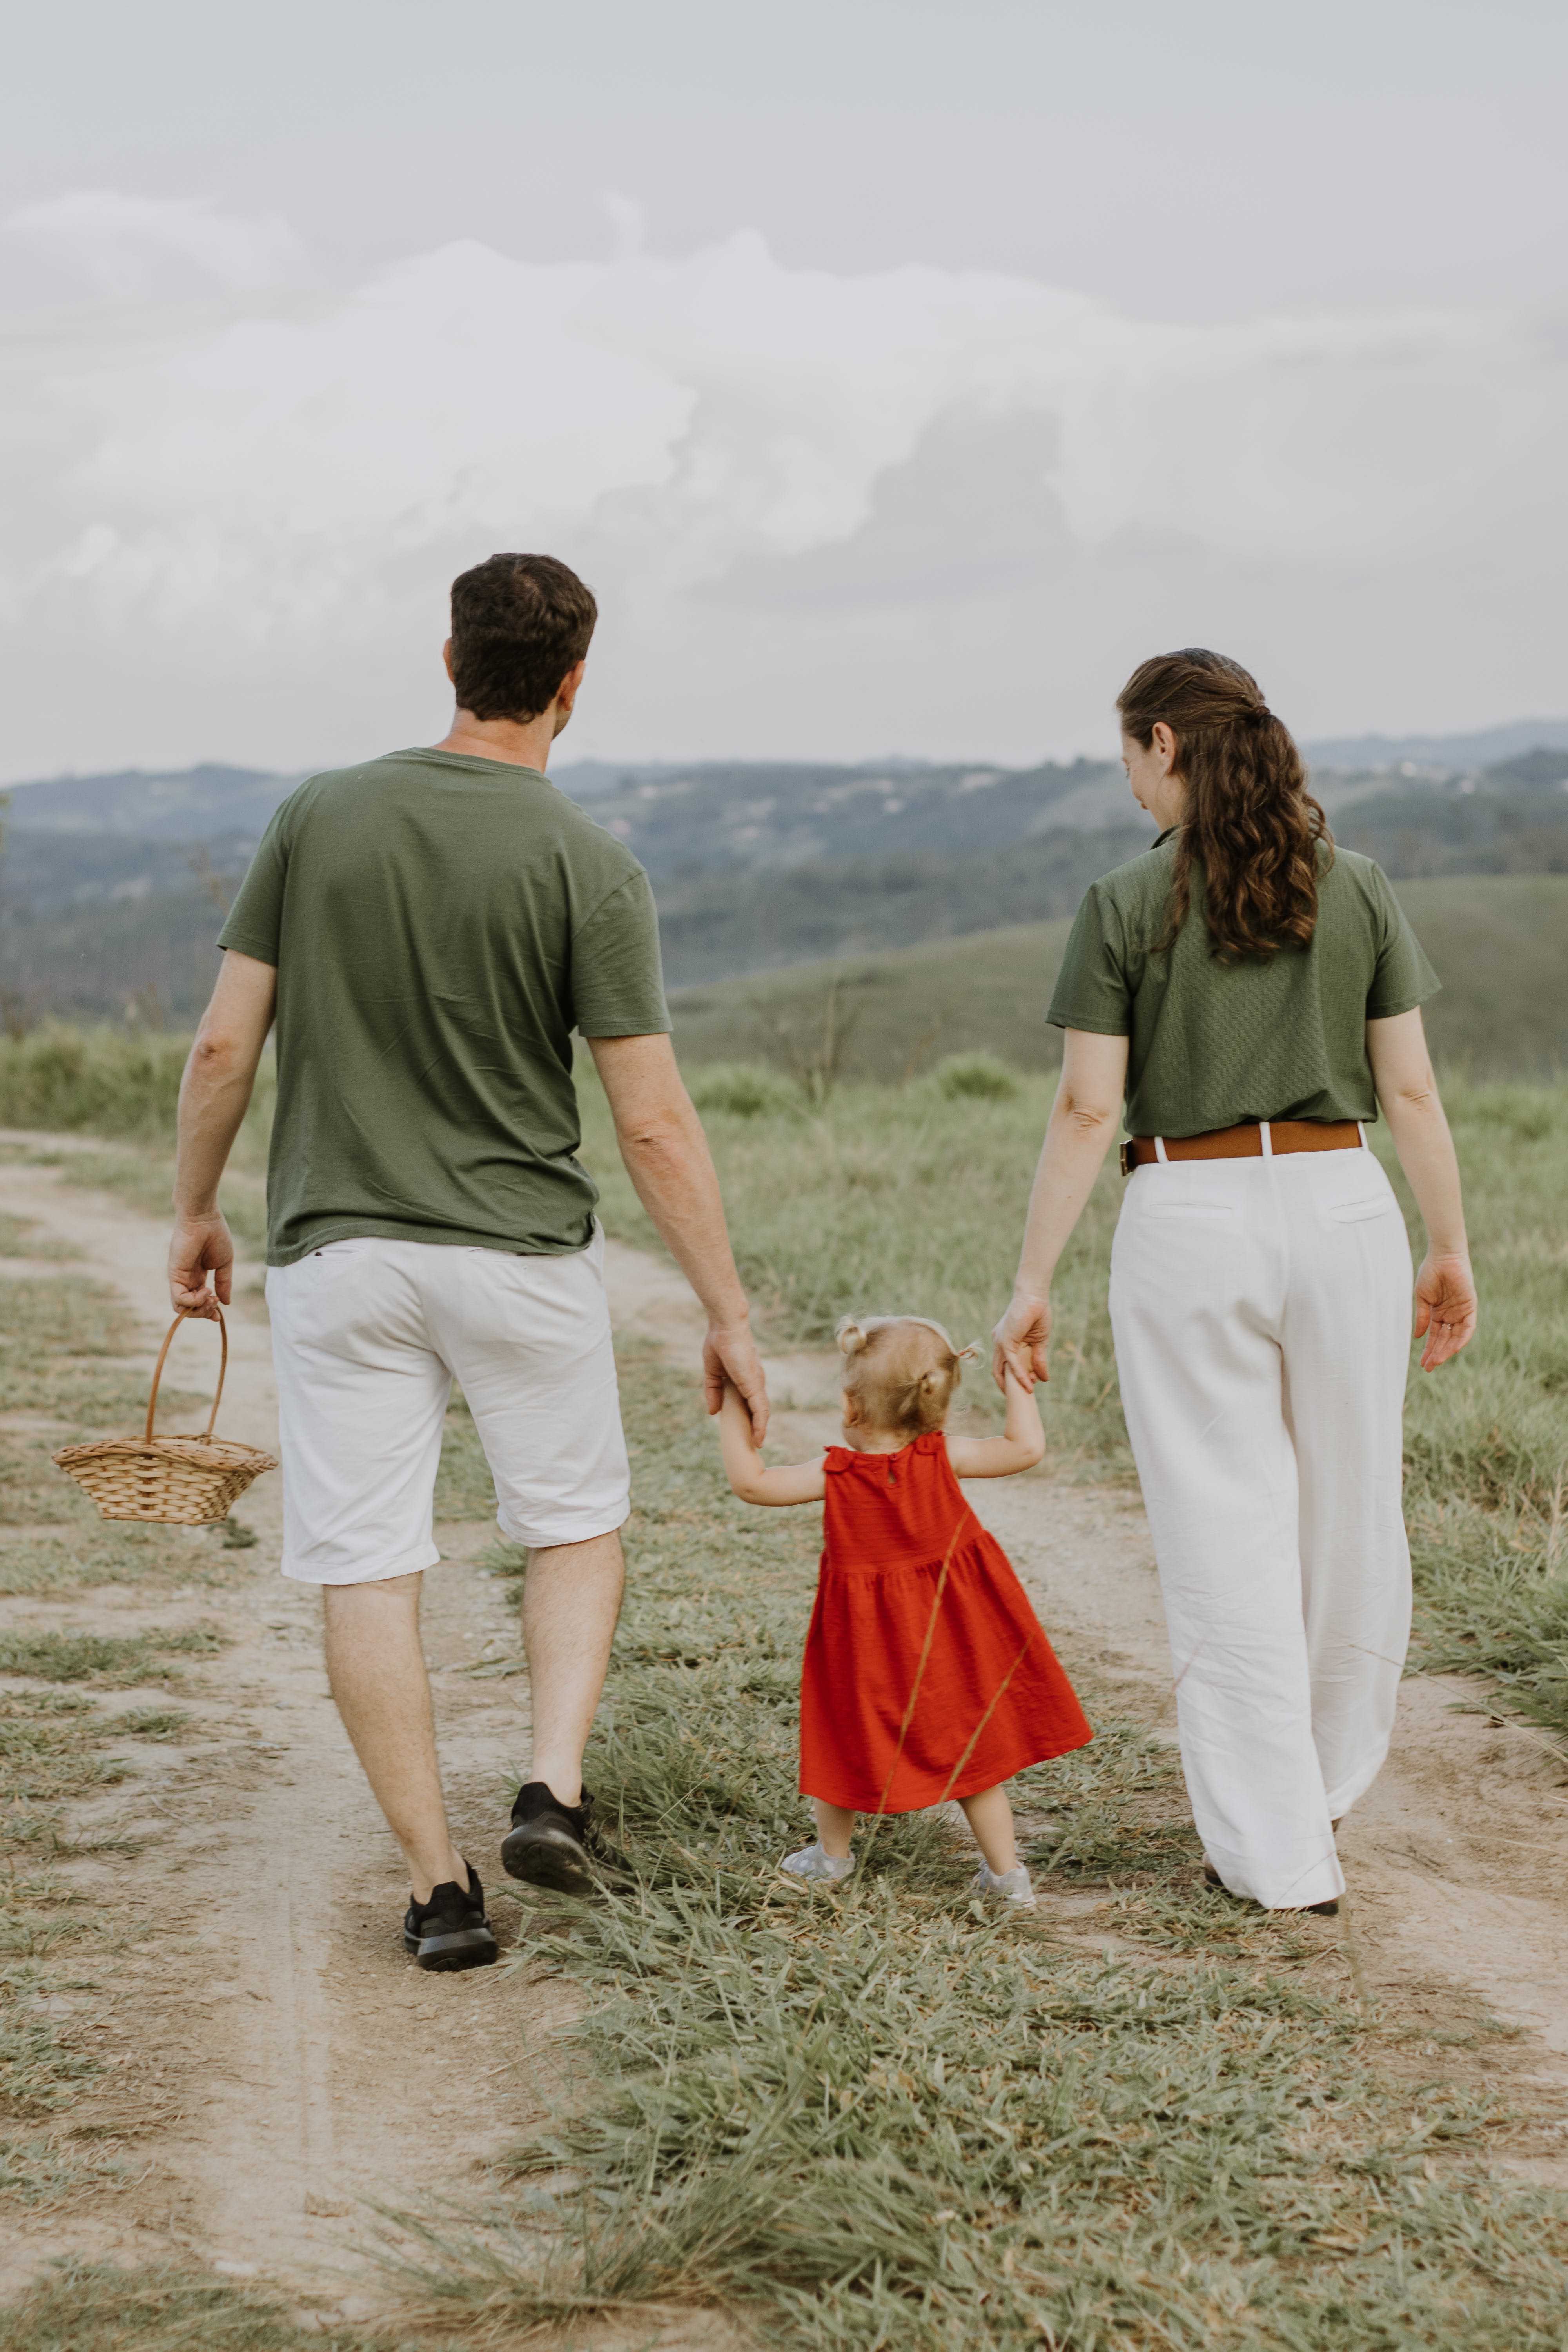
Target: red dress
(927, 1675)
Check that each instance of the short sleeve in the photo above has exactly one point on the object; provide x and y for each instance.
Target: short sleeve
(1093, 990)
(617, 985)
(1402, 978)
(254, 924)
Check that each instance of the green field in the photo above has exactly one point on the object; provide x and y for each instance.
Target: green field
(1499, 941)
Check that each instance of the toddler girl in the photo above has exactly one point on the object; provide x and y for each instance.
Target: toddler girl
(927, 1675)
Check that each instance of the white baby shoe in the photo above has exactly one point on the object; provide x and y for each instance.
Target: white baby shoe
(811, 1862)
(1009, 1886)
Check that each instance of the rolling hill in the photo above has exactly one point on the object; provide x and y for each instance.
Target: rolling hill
(111, 885)
(1499, 944)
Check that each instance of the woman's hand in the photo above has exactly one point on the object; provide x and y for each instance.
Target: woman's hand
(1022, 1337)
(1445, 1306)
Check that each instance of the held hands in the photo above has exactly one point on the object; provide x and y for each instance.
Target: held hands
(1022, 1337)
(730, 1356)
(1445, 1307)
(200, 1246)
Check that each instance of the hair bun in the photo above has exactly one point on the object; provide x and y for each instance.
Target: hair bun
(849, 1337)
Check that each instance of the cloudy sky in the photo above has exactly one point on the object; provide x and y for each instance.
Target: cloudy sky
(898, 374)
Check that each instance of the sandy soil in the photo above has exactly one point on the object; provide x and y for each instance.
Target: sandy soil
(280, 2066)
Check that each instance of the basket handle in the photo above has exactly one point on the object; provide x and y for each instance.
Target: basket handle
(185, 1315)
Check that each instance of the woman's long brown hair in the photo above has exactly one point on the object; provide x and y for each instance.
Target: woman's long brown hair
(1251, 823)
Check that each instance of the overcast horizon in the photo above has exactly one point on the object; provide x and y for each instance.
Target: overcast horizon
(898, 377)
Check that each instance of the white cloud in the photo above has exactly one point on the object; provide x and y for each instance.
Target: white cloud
(295, 477)
(116, 239)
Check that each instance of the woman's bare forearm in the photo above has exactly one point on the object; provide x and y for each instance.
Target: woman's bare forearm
(1402, 1073)
(1075, 1147)
(1425, 1148)
(1082, 1126)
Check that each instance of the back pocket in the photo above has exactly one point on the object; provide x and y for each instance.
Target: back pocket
(1350, 1212)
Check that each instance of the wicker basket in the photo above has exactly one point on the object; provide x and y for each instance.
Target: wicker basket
(180, 1482)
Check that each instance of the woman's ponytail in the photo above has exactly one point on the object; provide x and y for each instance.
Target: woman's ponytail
(1253, 827)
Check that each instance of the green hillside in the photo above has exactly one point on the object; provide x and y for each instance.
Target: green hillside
(1500, 943)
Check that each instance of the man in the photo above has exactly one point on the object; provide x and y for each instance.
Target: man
(429, 929)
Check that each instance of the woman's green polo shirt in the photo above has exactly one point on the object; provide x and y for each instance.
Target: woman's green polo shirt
(1212, 1044)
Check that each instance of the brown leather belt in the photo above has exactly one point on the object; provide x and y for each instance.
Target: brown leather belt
(1246, 1142)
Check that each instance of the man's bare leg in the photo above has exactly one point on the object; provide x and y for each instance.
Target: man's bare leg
(570, 1603)
(375, 1666)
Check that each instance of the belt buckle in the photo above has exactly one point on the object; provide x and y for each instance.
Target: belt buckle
(1128, 1160)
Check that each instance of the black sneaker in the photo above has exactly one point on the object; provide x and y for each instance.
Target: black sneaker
(553, 1845)
(451, 1931)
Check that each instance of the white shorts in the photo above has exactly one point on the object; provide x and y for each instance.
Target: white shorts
(366, 1337)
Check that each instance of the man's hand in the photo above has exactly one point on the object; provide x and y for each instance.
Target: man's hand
(1445, 1308)
(200, 1246)
(1022, 1337)
(730, 1353)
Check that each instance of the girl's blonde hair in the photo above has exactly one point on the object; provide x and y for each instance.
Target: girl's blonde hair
(900, 1371)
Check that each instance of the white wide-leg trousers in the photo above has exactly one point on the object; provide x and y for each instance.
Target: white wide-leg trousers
(1261, 1312)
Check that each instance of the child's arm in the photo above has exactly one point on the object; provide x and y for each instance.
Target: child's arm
(749, 1475)
(1020, 1446)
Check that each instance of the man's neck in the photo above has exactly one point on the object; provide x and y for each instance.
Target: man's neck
(519, 743)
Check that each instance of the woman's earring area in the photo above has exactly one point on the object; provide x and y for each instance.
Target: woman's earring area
(1151, 774)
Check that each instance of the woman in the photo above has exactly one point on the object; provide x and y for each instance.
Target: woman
(1255, 994)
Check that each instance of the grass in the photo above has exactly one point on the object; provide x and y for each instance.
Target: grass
(59, 1657)
(48, 1748)
(102, 1081)
(881, 2118)
(63, 1374)
(63, 1377)
(99, 2307)
(464, 1486)
(1500, 943)
(63, 1345)
(57, 1746)
(19, 1237)
(95, 1554)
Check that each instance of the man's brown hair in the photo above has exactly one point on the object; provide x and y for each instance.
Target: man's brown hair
(1254, 831)
(519, 624)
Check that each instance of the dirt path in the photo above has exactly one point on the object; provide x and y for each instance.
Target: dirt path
(289, 2067)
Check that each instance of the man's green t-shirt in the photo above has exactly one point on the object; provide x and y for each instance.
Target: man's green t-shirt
(1212, 1044)
(441, 925)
